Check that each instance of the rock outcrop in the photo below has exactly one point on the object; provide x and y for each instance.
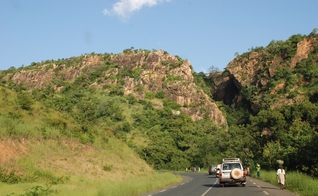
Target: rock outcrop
(137, 72)
(254, 70)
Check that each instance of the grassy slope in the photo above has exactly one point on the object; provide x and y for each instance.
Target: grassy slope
(41, 155)
(84, 169)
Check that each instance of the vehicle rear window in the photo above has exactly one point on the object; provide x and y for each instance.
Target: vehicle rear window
(230, 166)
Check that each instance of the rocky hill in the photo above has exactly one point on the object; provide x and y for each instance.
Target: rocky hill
(256, 71)
(137, 72)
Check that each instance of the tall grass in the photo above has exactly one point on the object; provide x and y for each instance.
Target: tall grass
(296, 182)
(79, 186)
(138, 186)
(25, 128)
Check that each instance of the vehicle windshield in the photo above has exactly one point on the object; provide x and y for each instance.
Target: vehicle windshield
(230, 166)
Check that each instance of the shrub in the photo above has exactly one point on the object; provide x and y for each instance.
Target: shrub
(160, 94)
(107, 167)
(25, 101)
(10, 177)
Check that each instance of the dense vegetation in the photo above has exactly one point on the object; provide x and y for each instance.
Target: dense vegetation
(285, 123)
(165, 140)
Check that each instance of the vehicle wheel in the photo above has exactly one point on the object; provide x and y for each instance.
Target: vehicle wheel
(236, 173)
(243, 185)
(222, 185)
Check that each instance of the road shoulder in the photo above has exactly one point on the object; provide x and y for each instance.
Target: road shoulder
(268, 188)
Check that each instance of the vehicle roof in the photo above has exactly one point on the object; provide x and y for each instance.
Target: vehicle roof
(231, 160)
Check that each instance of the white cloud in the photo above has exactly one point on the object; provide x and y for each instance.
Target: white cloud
(124, 8)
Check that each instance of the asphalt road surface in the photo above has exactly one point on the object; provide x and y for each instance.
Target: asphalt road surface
(202, 184)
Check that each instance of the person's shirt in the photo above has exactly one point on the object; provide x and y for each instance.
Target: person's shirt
(258, 169)
(280, 171)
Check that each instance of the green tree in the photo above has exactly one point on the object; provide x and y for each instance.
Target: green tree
(25, 101)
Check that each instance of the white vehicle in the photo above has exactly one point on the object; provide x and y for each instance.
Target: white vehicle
(232, 172)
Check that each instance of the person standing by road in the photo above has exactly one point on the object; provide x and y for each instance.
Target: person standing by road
(248, 171)
(281, 177)
(258, 169)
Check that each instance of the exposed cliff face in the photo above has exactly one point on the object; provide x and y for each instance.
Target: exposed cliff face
(303, 49)
(136, 72)
(244, 69)
(255, 69)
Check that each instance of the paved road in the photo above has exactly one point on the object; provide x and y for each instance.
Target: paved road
(201, 184)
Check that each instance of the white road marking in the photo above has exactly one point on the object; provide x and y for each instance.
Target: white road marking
(174, 186)
(206, 191)
(266, 193)
(209, 189)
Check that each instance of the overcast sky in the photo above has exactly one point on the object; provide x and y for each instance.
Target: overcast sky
(206, 32)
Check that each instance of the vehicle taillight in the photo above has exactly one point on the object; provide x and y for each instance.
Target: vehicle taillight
(244, 174)
(220, 174)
